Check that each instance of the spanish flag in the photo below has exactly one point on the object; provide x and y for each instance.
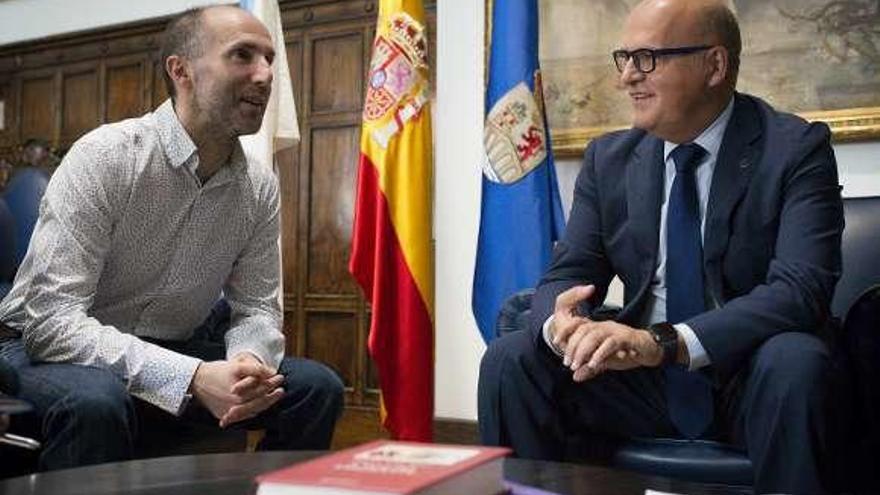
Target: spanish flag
(391, 254)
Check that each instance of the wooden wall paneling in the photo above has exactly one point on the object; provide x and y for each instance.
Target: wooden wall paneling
(328, 339)
(124, 91)
(37, 106)
(332, 176)
(289, 174)
(82, 104)
(338, 79)
(333, 92)
(302, 195)
(333, 71)
(102, 43)
(9, 124)
(311, 13)
(288, 163)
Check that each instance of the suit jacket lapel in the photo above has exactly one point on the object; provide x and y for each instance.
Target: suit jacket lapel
(737, 160)
(644, 189)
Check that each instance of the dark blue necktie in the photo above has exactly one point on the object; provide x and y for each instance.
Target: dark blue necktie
(688, 394)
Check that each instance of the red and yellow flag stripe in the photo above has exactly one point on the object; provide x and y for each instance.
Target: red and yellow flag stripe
(391, 255)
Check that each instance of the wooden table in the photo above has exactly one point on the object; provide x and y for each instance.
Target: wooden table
(233, 474)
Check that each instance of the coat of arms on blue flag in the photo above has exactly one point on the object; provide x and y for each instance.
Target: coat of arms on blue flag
(521, 213)
(514, 136)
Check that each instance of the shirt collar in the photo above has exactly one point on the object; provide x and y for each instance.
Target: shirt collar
(179, 146)
(711, 137)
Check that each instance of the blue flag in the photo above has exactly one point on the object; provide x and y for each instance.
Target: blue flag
(521, 214)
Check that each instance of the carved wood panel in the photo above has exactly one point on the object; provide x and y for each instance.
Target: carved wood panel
(125, 88)
(331, 315)
(338, 72)
(81, 107)
(37, 111)
(332, 179)
(288, 168)
(329, 340)
(8, 121)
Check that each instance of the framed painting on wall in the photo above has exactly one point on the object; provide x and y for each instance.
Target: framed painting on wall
(817, 58)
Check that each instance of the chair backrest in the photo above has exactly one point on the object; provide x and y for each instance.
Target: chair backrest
(857, 303)
(861, 252)
(23, 195)
(7, 243)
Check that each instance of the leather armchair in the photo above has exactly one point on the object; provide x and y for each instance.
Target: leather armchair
(7, 248)
(715, 462)
(23, 194)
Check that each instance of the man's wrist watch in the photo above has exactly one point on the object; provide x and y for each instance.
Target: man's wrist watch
(666, 336)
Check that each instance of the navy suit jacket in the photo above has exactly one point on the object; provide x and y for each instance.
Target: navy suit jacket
(771, 254)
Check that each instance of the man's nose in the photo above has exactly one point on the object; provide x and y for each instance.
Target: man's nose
(263, 73)
(630, 74)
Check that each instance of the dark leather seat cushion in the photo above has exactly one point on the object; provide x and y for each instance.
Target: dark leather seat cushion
(698, 460)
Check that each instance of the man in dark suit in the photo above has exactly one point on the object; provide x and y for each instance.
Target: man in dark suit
(723, 220)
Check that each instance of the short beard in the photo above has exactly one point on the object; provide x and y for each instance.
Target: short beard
(212, 118)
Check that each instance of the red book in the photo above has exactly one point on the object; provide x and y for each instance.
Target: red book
(388, 467)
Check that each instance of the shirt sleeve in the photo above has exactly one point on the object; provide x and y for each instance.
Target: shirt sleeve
(60, 274)
(253, 286)
(697, 355)
(548, 338)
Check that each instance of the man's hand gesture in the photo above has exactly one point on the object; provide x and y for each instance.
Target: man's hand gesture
(565, 317)
(597, 346)
(591, 347)
(237, 389)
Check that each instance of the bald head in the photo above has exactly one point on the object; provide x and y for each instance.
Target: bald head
(690, 76)
(187, 34)
(700, 21)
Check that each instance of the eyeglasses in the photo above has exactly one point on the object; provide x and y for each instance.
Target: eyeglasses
(645, 59)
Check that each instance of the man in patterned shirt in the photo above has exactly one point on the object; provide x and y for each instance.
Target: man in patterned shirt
(142, 227)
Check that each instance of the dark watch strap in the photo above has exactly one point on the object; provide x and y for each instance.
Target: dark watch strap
(665, 335)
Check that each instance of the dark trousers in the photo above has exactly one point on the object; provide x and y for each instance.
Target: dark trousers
(84, 415)
(774, 409)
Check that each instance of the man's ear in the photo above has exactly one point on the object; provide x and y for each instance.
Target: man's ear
(178, 69)
(718, 61)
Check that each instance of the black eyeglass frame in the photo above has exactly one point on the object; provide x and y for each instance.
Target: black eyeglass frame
(626, 56)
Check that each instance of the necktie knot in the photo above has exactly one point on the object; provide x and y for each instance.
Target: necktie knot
(687, 157)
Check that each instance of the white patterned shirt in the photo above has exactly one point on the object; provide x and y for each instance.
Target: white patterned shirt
(130, 244)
